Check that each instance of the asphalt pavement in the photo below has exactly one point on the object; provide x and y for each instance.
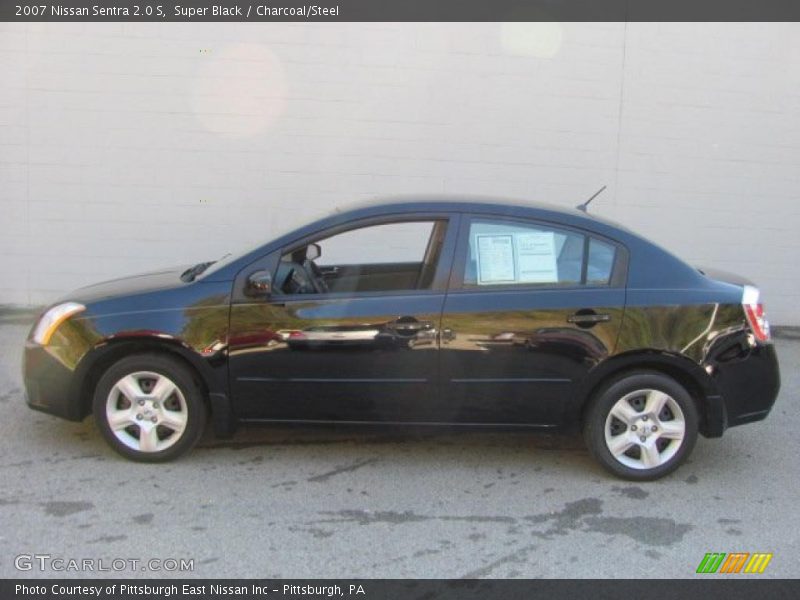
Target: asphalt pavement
(278, 502)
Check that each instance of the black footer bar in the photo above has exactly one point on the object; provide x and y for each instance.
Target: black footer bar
(705, 587)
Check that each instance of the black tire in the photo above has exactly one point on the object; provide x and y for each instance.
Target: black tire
(188, 399)
(597, 421)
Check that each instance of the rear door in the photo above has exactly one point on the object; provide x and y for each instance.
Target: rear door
(532, 306)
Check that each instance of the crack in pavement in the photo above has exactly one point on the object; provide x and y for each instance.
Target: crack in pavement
(338, 470)
(367, 517)
(518, 556)
(63, 509)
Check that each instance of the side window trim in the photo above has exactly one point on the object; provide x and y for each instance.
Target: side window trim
(587, 240)
(617, 279)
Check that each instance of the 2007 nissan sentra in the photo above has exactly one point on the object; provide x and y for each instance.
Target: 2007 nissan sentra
(434, 312)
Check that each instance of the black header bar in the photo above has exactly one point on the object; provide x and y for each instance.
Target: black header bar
(397, 10)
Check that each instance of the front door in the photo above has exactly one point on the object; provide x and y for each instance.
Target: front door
(351, 330)
(531, 309)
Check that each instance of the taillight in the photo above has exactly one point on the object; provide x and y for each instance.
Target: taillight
(754, 311)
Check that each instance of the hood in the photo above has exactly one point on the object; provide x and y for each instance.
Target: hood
(131, 285)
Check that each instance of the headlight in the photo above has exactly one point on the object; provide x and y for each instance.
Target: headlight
(50, 321)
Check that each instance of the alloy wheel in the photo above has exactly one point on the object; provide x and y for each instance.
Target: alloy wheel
(146, 411)
(644, 429)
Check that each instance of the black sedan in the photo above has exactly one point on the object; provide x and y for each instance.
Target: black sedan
(459, 313)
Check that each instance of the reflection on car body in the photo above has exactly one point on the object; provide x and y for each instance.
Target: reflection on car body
(323, 337)
(575, 343)
(481, 312)
(405, 332)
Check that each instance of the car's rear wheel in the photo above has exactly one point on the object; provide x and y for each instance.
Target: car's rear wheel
(149, 408)
(641, 426)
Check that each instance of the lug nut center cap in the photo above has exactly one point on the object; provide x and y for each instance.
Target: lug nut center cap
(643, 429)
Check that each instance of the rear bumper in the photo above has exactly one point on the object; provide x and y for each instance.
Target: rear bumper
(48, 384)
(748, 387)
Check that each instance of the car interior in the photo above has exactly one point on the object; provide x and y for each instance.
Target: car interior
(305, 271)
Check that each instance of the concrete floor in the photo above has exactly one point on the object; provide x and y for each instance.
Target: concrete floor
(277, 502)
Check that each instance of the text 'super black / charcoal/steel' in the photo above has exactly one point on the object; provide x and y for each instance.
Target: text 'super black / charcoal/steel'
(440, 312)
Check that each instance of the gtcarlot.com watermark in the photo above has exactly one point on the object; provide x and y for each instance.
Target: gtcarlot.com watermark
(59, 564)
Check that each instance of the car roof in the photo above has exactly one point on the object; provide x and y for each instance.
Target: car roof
(457, 203)
(451, 202)
(510, 207)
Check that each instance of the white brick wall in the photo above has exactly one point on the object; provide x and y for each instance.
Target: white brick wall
(128, 147)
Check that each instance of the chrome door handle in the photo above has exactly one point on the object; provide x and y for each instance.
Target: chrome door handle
(588, 319)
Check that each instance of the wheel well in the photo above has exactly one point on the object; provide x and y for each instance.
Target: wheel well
(687, 380)
(121, 349)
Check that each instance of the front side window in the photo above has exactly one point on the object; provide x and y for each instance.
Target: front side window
(388, 243)
(504, 253)
(397, 256)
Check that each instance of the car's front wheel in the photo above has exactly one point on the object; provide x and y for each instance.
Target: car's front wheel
(641, 426)
(149, 408)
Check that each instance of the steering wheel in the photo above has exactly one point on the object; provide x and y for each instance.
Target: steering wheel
(317, 278)
(297, 282)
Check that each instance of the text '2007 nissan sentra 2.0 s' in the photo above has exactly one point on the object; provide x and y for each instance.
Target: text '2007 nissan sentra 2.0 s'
(418, 312)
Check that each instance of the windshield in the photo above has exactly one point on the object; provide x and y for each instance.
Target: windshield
(231, 257)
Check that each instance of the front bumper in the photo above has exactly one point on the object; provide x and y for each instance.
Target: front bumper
(49, 385)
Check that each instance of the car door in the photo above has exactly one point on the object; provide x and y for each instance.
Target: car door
(361, 344)
(532, 306)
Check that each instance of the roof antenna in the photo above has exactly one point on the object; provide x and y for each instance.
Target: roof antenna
(584, 206)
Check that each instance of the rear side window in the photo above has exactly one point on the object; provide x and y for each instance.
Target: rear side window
(502, 253)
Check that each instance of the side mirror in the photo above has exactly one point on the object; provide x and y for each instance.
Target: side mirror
(259, 284)
(313, 252)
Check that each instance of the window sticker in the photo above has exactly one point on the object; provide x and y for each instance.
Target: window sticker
(536, 252)
(495, 258)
